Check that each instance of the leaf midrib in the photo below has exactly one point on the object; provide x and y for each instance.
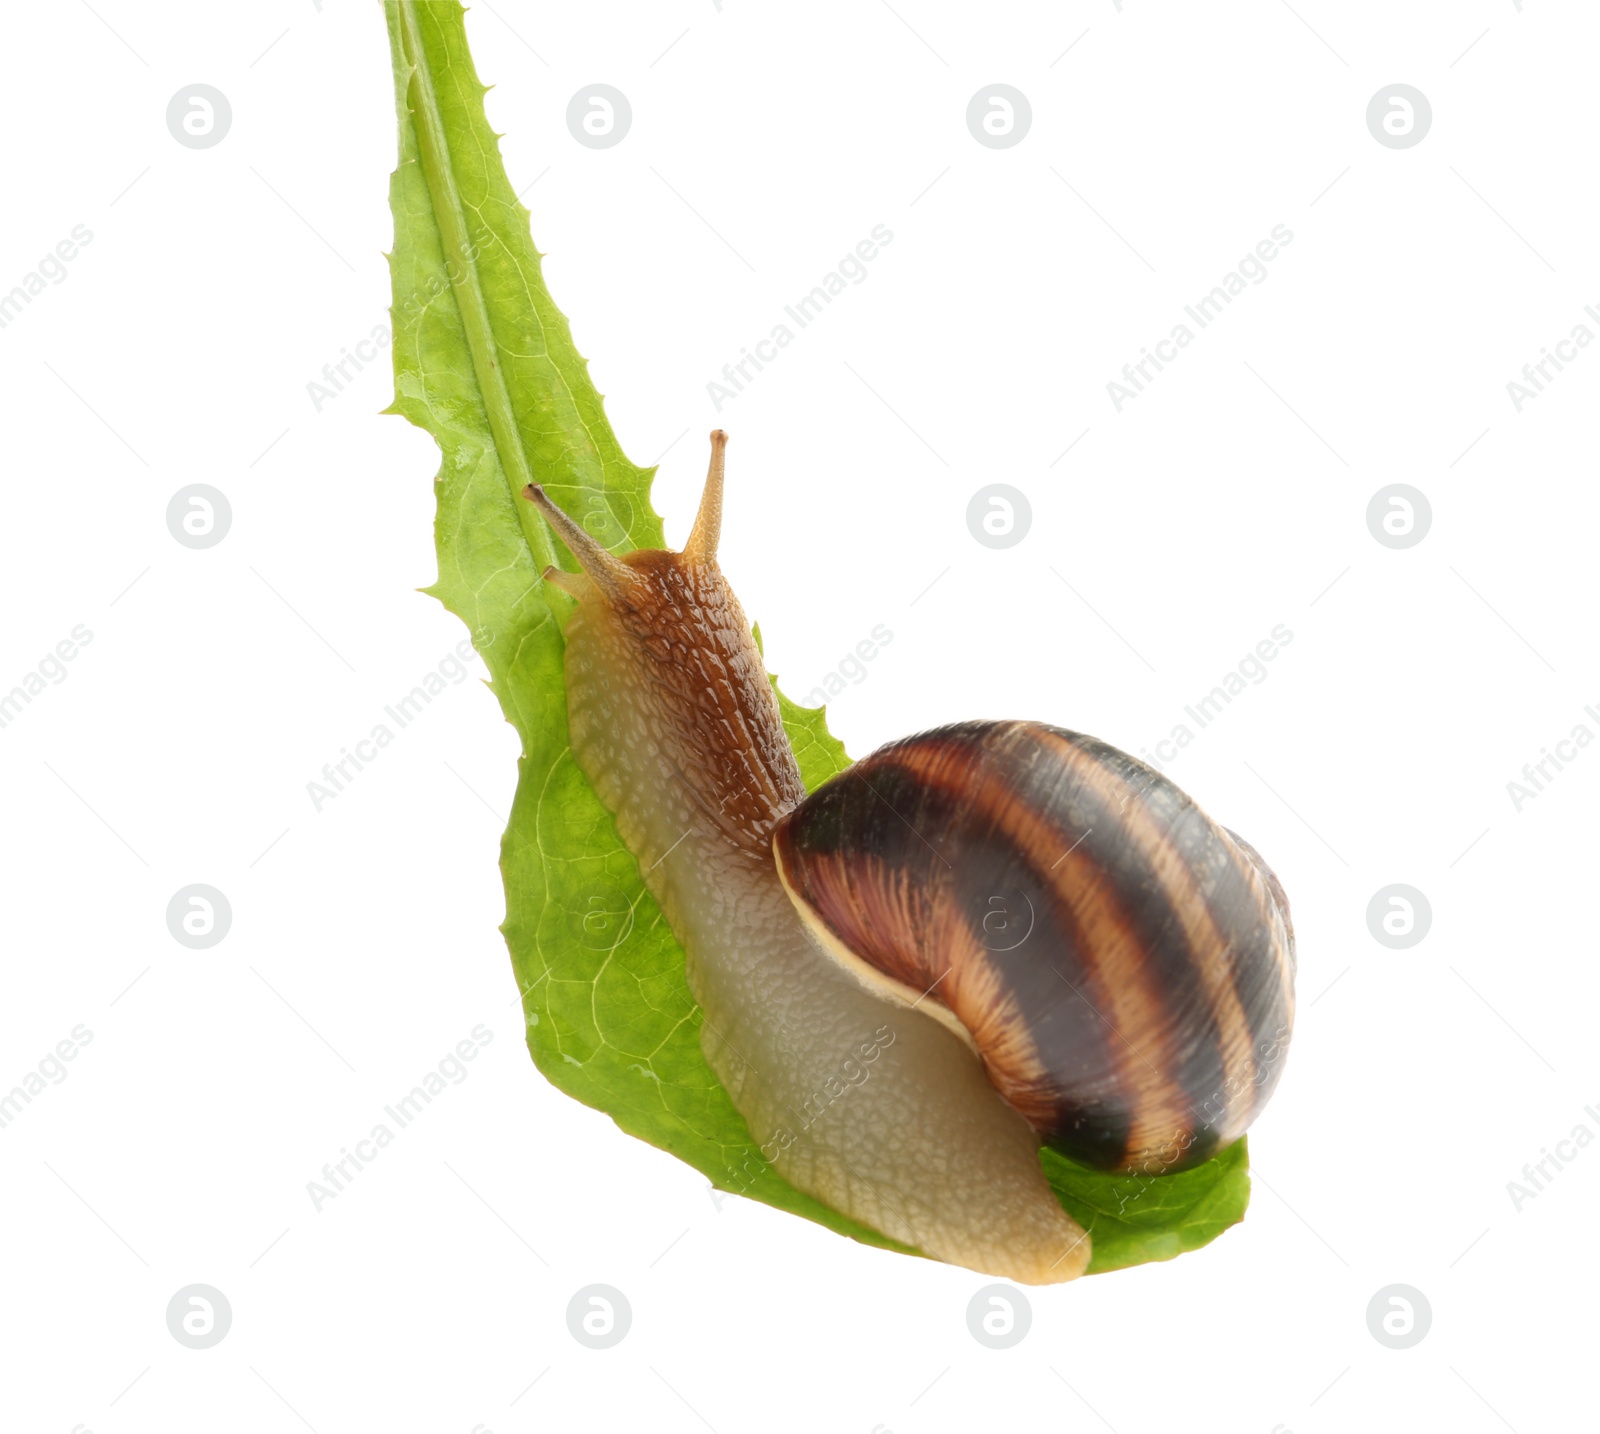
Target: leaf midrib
(433, 153)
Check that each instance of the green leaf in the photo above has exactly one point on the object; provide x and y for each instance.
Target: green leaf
(1132, 1219)
(485, 362)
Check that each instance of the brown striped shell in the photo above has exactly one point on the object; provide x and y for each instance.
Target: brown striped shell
(1123, 965)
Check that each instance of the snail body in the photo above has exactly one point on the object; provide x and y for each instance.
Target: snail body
(914, 1106)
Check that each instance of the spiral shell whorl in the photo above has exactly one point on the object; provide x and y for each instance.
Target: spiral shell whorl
(1123, 965)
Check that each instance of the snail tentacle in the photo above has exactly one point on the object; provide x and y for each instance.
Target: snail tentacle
(707, 530)
(608, 572)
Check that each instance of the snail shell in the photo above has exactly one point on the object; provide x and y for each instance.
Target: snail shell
(1122, 965)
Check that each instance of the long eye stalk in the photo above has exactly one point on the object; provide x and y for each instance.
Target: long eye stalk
(707, 530)
(610, 574)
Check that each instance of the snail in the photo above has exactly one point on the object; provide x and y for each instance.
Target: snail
(976, 940)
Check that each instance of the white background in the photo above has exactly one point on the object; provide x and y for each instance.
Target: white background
(1228, 498)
